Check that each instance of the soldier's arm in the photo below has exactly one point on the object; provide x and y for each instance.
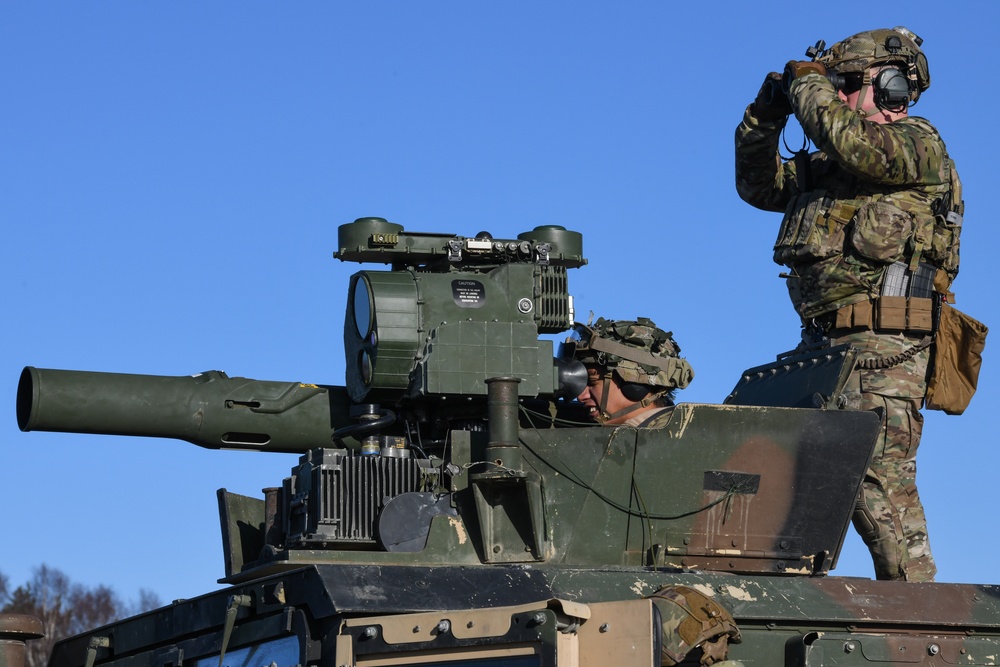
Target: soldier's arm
(761, 178)
(901, 153)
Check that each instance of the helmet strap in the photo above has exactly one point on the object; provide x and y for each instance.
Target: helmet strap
(866, 83)
(604, 417)
(861, 101)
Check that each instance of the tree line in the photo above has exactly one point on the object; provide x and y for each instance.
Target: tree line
(65, 608)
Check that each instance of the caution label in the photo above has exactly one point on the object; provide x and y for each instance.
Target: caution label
(468, 293)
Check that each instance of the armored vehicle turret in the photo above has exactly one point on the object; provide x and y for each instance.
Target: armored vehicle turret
(452, 506)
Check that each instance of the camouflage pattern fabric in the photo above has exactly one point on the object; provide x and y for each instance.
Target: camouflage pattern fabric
(889, 516)
(859, 52)
(866, 198)
(637, 350)
(903, 165)
(690, 620)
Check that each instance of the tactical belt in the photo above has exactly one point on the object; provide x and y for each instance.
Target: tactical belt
(889, 314)
(884, 314)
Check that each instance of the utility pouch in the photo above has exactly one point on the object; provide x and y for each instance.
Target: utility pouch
(881, 231)
(944, 244)
(813, 228)
(947, 225)
(855, 316)
(958, 356)
(900, 313)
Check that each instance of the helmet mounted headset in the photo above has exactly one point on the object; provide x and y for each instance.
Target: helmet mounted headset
(904, 74)
(644, 358)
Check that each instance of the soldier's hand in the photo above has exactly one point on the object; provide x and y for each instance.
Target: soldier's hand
(772, 102)
(796, 68)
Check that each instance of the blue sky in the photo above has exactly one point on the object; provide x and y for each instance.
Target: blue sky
(172, 176)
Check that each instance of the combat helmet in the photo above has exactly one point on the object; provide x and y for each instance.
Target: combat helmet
(637, 351)
(859, 53)
(645, 358)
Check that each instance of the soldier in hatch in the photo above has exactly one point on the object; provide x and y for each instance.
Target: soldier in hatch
(633, 368)
(870, 238)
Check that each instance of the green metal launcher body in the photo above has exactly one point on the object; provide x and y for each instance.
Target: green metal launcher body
(451, 507)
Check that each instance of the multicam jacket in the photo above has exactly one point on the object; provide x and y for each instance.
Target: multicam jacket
(871, 195)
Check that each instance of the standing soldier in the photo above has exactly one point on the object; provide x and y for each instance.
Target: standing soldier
(870, 239)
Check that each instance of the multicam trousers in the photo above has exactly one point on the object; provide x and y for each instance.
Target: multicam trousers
(889, 516)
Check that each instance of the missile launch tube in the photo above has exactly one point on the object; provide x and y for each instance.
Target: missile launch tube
(209, 409)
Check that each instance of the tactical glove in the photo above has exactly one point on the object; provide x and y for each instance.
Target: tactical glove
(796, 68)
(772, 102)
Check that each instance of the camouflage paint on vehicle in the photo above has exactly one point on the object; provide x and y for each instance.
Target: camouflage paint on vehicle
(468, 519)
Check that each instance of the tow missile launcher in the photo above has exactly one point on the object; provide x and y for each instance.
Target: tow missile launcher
(451, 509)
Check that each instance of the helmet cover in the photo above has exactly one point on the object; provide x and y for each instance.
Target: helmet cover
(637, 350)
(872, 48)
(690, 619)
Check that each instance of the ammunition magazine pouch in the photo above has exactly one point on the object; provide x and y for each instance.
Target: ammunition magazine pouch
(814, 228)
(817, 225)
(911, 315)
(899, 280)
(958, 342)
(689, 619)
(957, 358)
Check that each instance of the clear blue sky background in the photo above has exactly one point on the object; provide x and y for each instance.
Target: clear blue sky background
(172, 175)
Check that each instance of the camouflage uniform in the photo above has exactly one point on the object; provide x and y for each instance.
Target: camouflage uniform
(652, 419)
(870, 196)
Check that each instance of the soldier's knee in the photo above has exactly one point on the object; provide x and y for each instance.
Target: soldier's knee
(864, 522)
(920, 570)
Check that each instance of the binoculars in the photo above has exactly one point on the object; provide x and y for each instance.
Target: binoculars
(776, 90)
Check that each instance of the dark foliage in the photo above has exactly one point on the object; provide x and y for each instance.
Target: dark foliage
(65, 608)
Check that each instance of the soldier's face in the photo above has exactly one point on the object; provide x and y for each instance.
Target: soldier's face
(594, 394)
(851, 93)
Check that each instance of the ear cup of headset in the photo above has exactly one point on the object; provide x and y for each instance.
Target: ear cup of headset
(892, 89)
(634, 391)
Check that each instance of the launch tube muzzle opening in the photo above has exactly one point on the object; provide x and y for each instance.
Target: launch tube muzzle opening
(27, 398)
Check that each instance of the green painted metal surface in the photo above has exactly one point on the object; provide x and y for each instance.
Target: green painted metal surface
(450, 478)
